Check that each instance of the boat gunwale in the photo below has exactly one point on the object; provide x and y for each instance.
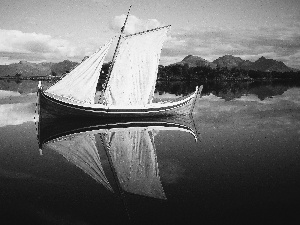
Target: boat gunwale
(161, 107)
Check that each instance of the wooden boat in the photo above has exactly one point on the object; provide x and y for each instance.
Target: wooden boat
(128, 90)
(129, 145)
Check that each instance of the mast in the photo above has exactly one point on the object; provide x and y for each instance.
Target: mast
(114, 56)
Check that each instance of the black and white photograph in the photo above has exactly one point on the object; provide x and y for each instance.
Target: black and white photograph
(146, 112)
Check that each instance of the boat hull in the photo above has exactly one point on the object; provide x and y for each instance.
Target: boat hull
(50, 107)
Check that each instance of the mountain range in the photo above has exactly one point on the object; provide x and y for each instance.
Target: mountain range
(229, 61)
(37, 69)
(46, 68)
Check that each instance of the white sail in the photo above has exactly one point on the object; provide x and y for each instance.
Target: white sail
(80, 149)
(80, 84)
(133, 77)
(133, 155)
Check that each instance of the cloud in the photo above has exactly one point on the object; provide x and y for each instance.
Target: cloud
(16, 43)
(15, 114)
(4, 60)
(102, 1)
(134, 24)
(248, 97)
(5, 94)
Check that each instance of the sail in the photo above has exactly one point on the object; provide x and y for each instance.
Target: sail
(133, 77)
(80, 149)
(80, 84)
(133, 156)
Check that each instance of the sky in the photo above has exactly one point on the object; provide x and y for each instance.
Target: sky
(56, 30)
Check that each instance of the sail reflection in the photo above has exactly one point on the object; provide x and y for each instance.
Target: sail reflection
(129, 146)
(80, 149)
(133, 155)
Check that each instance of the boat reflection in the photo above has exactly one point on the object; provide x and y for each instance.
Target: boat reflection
(133, 156)
(129, 146)
(80, 149)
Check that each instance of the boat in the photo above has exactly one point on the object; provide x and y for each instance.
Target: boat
(129, 88)
(129, 146)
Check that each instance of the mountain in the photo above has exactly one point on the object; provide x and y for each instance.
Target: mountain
(63, 67)
(24, 68)
(193, 61)
(229, 61)
(263, 64)
(46, 68)
(36, 69)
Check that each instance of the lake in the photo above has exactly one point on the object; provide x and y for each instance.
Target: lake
(244, 167)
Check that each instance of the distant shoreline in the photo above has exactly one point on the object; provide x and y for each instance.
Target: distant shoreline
(161, 79)
(37, 78)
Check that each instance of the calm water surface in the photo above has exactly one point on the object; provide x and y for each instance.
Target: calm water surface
(243, 169)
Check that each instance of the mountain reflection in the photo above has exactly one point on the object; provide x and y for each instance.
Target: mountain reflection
(129, 146)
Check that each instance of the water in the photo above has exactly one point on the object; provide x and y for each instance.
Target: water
(244, 168)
